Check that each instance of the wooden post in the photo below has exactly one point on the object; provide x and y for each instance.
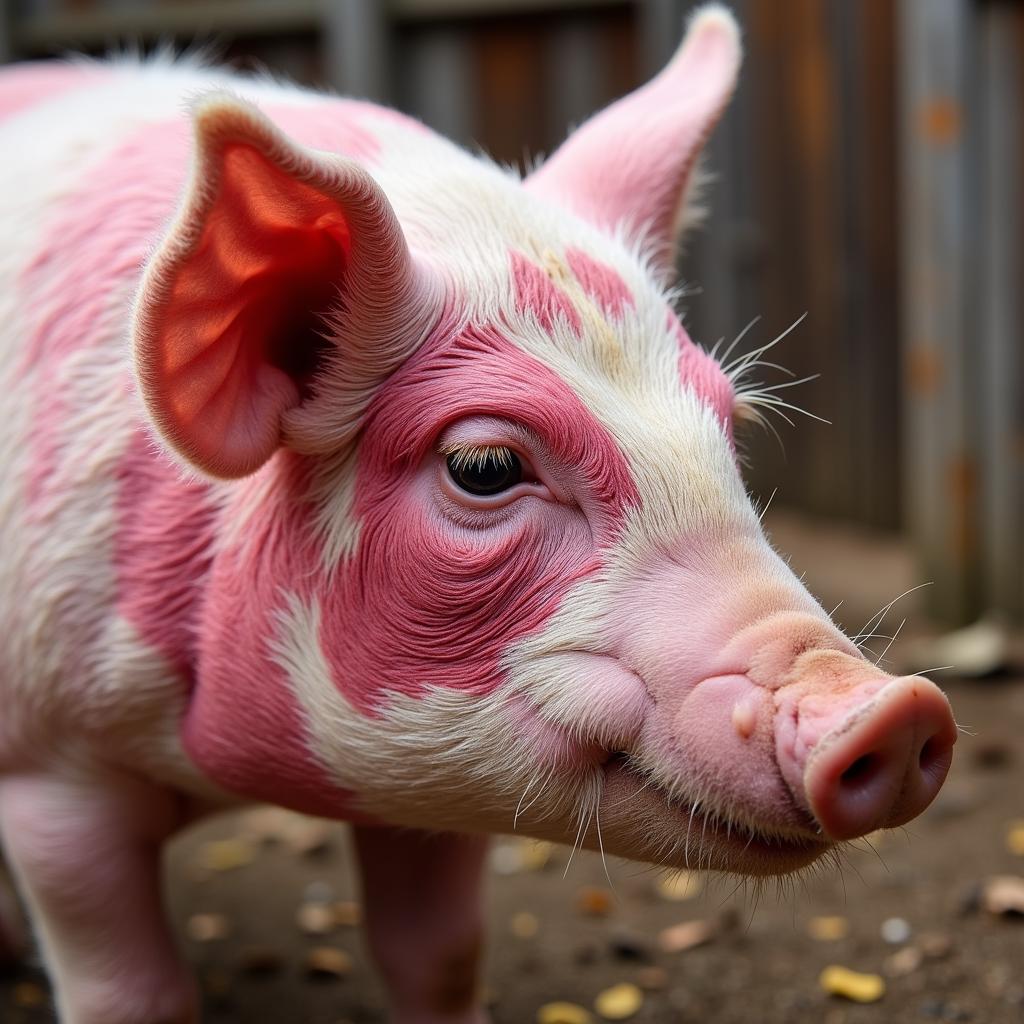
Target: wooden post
(355, 39)
(939, 264)
(1000, 341)
(435, 81)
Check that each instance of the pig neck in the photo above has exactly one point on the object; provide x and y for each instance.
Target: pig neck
(244, 727)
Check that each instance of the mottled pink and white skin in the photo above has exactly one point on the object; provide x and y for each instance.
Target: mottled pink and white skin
(245, 329)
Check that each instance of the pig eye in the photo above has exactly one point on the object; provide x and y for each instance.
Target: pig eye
(484, 471)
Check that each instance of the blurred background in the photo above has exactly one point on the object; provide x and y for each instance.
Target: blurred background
(869, 174)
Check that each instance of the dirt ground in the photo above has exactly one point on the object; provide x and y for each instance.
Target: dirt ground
(914, 907)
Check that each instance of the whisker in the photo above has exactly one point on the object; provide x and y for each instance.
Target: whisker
(519, 806)
(892, 640)
(760, 517)
(740, 361)
(600, 843)
(876, 620)
(768, 389)
(739, 337)
(775, 404)
(584, 824)
(758, 364)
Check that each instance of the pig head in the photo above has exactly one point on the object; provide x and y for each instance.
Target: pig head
(485, 560)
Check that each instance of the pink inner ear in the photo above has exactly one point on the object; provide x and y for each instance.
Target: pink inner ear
(235, 338)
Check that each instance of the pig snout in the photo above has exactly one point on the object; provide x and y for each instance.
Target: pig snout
(872, 757)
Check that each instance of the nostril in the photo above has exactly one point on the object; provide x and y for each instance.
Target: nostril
(933, 758)
(862, 771)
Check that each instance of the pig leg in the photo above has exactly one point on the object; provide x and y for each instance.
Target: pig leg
(13, 938)
(422, 901)
(86, 856)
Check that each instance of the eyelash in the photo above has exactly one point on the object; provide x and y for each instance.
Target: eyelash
(476, 456)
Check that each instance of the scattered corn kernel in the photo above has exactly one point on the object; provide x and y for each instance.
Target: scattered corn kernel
(679, 885)
(1015, 838)
(563, 1013)
(227, 854)
(524, 925)
(619, 1002)
(828, 929)
(535, 854)
(859, 988)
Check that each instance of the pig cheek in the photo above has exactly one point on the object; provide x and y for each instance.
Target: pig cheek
(434, 603)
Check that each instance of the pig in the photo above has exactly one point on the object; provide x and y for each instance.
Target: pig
(350, 472)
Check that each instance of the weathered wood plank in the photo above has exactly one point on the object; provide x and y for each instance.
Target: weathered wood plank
(356, 41)
(940, 465)
(866, 333)
(1001, 323)
(434, 79)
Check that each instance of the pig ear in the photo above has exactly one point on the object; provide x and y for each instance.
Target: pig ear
(229, 329)
(630, 164)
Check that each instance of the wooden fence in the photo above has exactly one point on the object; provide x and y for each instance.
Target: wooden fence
(868, 174)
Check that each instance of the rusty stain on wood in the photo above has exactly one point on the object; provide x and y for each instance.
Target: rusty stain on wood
(924, 370)
(962, 485)
(941, 120)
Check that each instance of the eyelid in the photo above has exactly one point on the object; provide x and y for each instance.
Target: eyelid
(476, 453)
(505, 433)
(468, 454)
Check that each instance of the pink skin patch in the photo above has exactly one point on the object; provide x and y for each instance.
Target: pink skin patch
(703, 376)
(432, 597)
(371, 113)
(600, 282)
(119, 208)
(24, 86)
(244, 728)
(338, 127)
(536, 293)
(435, 599)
